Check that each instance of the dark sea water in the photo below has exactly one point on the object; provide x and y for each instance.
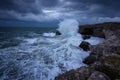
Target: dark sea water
(32, 53)
(14, 52)
(8, 35)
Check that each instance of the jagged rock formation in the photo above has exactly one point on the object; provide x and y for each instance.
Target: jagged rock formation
(98, 29)
(98, 76)
(104, 59)
(109, 64)
(84, 45)
(81, 73)
(111, 45)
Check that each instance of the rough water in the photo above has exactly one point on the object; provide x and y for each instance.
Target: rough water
(38, 54)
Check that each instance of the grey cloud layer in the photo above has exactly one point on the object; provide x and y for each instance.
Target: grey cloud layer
(46, 10)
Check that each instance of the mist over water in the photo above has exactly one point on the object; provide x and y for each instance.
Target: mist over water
(42, 56)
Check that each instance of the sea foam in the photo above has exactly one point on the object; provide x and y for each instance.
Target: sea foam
(68, 27)
(49, 34)
(46, 56)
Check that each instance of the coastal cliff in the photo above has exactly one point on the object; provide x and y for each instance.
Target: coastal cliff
(104, 59)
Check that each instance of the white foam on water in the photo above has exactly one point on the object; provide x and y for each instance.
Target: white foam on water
(44, 58)
(49, 34)
(95, 40)
(31, 41)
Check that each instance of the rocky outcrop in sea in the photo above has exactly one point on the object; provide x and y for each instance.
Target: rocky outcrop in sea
(104, 59)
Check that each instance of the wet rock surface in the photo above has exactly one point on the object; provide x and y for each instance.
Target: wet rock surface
(90, 59)
(104, 59)
(98, 76)
(110, 65)
(84, 45)
(58, 33)
(79, 74)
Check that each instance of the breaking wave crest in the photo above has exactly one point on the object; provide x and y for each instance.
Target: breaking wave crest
(43, 57)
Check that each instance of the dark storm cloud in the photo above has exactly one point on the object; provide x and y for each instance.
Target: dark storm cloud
(4, 15)
(109, 8)
(49, 3)
(20, 6)
(46, 10)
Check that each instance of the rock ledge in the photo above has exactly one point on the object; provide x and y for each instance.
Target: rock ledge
(104, 59)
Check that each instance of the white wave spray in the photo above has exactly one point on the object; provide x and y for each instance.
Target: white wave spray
(45, 57)
(68, 27)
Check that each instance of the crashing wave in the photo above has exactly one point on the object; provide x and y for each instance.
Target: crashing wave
(44, 57)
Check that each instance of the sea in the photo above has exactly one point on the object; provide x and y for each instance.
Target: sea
(37, 53)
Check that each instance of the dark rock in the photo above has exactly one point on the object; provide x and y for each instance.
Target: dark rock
(79, 74)
(84, 45)
(108, 33)
(86, 36)
(87, 31)
(98, 76)
(97, 29)
(90, 59)
(105, 57)
(109, 46)
(58, 33)
(101, 50)
(111, 32)
(110, 65)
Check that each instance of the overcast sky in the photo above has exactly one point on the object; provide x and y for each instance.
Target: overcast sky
(37, 12)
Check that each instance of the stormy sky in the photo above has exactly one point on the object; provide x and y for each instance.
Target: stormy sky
(40, 12)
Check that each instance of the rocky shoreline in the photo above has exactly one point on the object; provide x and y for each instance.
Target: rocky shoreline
(104, 59)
